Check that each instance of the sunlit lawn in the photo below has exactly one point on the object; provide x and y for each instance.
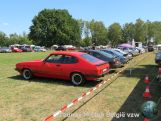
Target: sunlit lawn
(22, 100)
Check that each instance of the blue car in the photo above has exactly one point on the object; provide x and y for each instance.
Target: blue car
(112, 60)
(116, 54)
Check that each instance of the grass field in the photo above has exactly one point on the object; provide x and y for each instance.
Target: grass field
(21, 100)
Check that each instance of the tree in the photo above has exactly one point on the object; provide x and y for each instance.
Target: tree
(3, 39)
(19, 39)
(98, 32)
(53, 26)
(115, 34)
(128, 32)
(156, 27)
(140, 31)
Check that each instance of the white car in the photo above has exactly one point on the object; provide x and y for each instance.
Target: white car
(142, 50)
(128, 55)
(39, 49)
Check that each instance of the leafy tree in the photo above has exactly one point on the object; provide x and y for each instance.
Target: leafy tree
(128, 32)
(86, 42)
(19, 39)
(140, 31)
(156, 27)
(115, 34)
(98, 32)
(53, 26)
(3, 39)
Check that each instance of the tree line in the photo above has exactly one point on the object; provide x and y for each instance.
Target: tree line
(57, 26)
(6, 40)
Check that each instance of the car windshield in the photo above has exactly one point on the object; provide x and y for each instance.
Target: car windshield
(89, 58)
(106, 54)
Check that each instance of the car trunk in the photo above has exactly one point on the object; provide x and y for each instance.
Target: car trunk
(102, 68)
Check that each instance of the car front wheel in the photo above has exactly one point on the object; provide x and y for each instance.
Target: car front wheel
(77, 79)
(27, 74)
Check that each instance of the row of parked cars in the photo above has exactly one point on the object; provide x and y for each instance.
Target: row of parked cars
(22, 48)
(77, 66)
(114, 56)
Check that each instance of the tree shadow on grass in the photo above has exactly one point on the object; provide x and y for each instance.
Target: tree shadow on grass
(135, 99)
(88, 84)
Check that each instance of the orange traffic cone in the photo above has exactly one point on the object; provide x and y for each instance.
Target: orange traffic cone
(146, 80)
(145, 119)
(147, 93)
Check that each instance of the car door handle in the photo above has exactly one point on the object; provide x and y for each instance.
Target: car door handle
(58, 65)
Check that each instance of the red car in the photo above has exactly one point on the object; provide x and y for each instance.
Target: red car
(15, 49)
(75, 66)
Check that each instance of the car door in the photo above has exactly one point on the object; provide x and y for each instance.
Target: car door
(51, 67)
(67, 66)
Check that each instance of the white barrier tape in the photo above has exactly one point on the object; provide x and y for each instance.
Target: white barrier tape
(70, 105)
(56, 113)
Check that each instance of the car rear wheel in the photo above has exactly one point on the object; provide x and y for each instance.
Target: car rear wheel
(27, 74)
(77, 79)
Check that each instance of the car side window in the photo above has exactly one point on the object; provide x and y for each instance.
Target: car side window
(69, 59)
(97, 55)
(64, 59)
(55, 59)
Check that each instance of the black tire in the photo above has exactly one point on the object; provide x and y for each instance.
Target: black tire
(27, 74)
(77, 79)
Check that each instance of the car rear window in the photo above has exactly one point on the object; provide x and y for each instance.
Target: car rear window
(117, 53)
(106, 54)
(89, 58)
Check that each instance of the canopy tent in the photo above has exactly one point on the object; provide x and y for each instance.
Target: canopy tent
(125, 45)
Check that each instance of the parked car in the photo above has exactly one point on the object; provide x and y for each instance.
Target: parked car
(39, 49)
(125, 54)
(123, 59)
(150, 48)
(70, 47)
(15, 49)
(61, 48)
(76, 66)
(5, 50)
(132, 51)
(25, 48)
(158, 58)
(113, 61)
(141, 50)
(53, 47)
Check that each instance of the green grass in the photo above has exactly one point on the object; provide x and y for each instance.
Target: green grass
(21, 100)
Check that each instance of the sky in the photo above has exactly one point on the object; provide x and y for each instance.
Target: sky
(16, 15)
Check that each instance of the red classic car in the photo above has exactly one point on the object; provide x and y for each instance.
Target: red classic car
(75, 66)
(15, 49)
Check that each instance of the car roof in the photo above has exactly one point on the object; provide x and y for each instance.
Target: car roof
(94, 50)
(68, 53)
